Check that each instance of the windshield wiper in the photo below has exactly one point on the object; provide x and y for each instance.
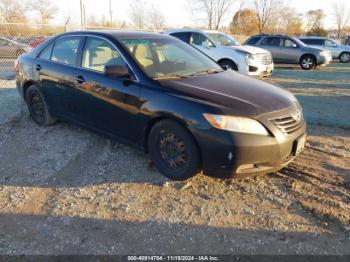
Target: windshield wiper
(170, 76)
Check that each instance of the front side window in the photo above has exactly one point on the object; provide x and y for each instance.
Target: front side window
(167, 58)
(199, 39)
(289, 43)
(65, 50)
(224, 39)
(98, 53)
(330, 43)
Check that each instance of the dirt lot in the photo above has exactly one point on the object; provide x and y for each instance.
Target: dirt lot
(65, 190)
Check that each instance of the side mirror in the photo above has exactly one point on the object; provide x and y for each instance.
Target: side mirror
(117, 71)
(295, 46)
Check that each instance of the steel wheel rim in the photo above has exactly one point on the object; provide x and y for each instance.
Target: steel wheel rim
(172, 149)
(37, 106)
(226, 67)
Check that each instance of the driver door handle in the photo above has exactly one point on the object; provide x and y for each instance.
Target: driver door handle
(80, 79)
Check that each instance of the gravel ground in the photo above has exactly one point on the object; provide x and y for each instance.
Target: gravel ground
(65, 190)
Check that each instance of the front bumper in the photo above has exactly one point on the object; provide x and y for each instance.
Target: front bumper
(231, 154)
(325, 60)
(260, 70)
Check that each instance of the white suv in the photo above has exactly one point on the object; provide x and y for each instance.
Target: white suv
(227, 52)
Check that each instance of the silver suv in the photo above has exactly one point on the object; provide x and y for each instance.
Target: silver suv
(339, 51)
(290, 50)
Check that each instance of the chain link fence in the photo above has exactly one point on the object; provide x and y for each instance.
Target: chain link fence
(16, 39)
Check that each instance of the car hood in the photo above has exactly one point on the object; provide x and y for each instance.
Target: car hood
(231, 92)
(313, 48)
(345, 47)
(249, 49)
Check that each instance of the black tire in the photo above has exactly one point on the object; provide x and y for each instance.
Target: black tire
(344, 57)
(37, 107)
(227, 64)
(19, 52)
(173, 150)
(307, 62)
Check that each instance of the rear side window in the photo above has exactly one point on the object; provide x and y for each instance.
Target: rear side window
(184, 36)
(65, 50)
(313, 41)
(46, 54)
(271, 41)
(253, 41)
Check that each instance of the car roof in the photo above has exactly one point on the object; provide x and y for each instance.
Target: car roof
(271, 35)
(313, 37)
(183, 30)
(118, 34)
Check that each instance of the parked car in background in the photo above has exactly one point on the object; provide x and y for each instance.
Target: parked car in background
(347, 41)
(338, 51)
(12, 49)
(37, 42)
(161, 95)
(290, 50)
(227, 52)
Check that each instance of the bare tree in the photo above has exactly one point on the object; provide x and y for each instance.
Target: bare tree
(155, 18)
(264, 10)
(46, 10)
(13, 11)
(138, 13)
(221, 8)
(214, 10)
(341, 15)
(315, 19)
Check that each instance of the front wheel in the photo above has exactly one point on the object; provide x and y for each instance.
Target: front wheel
(344, 57)
(173, 150)
(227, 64)
(37, 107)
(307, 62)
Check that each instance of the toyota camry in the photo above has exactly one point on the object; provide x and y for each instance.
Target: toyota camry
(163, 96)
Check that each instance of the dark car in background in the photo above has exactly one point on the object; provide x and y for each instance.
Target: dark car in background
(290, 50)
(163, 96)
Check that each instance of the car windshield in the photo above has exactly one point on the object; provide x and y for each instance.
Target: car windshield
(162, 58)
(224, 40)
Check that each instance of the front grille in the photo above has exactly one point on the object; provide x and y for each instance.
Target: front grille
(265, 59)
(288, 125)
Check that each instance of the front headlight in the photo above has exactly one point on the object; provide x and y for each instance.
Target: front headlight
(324, 53)
(248, 57)
(236, 124)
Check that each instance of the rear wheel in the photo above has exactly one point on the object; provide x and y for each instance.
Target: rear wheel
(173, 150)
(227, 64)
(307, 62)
(344, 57)
(37, 107)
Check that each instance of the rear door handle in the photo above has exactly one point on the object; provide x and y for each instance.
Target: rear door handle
(79, 79)
(38, 67)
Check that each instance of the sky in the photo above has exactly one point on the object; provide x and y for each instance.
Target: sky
(176, 11)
